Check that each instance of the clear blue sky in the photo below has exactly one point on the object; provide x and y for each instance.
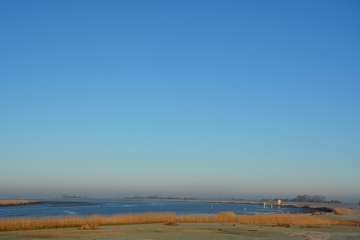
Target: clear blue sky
(243, 99)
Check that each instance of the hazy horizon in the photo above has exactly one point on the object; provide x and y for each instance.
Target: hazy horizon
(79, 195)
(207, 99)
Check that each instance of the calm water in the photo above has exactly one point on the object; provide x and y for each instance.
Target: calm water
(89, 207)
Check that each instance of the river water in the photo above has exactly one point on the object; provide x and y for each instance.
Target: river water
(107, 207)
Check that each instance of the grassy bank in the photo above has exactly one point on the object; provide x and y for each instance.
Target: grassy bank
(93, 221)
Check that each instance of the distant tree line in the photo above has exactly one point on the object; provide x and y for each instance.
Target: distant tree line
(236, 199)
(308, 198)
(67, 196)
(156, 197)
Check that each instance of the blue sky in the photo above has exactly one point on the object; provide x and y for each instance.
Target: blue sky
(215, 99)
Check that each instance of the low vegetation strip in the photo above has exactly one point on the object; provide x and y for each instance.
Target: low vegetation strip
(261, 219)
(342, 211)
(17, 202)
(27, 223)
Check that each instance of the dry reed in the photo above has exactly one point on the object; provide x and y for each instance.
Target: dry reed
(17, 202)
(261, 219)
(342, 211)
(26, 223)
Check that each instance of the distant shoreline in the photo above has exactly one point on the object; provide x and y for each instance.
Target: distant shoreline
(17, 202)
(322, 207)
(318, 206)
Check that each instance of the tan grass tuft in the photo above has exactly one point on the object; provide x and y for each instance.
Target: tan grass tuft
(284, 225)
(171, 223)
(89, 226)
(342, 211)
(318, 213)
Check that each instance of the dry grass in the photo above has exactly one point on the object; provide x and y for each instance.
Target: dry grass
(17, 202)
(171, 223)
(349, 222)
(26, 223)
(94, 221)
(342, 211)
(89, 226)
(261, 219)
